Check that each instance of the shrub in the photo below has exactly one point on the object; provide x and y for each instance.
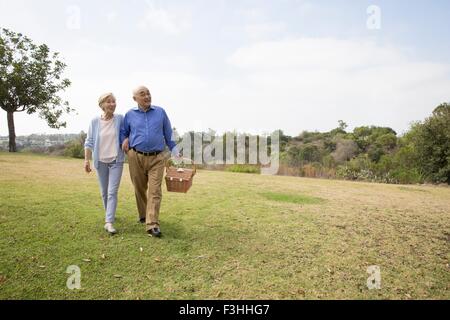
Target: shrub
(405, 176)
(328, 161)
(74, 149)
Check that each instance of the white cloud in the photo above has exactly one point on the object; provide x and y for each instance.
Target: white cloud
(171, 22)
(111, 16)
(255, 32)
(252, 14)
(313, 53)
(311, 83)
(263, 31)
(306, 8)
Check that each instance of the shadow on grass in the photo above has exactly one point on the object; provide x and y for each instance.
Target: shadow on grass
(292, 198)
(170, 229)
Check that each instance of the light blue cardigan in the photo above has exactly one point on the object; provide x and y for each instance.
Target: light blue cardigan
(93, 139)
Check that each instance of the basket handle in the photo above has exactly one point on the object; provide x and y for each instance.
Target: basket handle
(190, 160)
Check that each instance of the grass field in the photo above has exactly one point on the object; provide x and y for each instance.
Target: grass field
(233, 236)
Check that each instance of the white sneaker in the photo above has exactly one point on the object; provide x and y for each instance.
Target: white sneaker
(110, 228)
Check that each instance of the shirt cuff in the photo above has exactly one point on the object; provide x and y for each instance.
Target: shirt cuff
(174, 151)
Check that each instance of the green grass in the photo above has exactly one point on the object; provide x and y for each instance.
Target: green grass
(233, 236)
(292, 198)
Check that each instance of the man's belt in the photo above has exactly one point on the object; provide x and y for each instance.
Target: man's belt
(154, 153)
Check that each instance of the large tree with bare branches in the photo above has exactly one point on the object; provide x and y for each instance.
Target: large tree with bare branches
(30, 81)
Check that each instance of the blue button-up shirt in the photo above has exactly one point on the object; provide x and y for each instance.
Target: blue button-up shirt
(147, 131)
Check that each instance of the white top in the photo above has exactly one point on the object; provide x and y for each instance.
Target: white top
(108, 141)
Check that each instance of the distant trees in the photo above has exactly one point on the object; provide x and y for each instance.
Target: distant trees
(376, 153)
(368, 153)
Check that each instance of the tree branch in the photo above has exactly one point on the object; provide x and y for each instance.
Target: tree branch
(23, 109)
(9, 108)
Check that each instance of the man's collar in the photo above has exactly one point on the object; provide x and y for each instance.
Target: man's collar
(137, 108)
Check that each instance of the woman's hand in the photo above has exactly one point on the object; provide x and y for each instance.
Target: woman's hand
(125, 145)
(87, 166)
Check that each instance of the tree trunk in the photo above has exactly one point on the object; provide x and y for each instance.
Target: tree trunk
(12, 132)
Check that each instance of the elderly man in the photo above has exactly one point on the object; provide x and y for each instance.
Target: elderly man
(145, 132)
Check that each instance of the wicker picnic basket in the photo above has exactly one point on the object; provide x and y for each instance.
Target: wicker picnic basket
(178, 178)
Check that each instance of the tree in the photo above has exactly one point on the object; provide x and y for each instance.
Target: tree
(340, 129)
(387, 141)
(432, 142)
(366, 136)
(309, 153)
(342, 125)
(293, 156)
(30, 80)
(384, 144)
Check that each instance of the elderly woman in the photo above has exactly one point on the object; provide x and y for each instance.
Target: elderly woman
(102, 143)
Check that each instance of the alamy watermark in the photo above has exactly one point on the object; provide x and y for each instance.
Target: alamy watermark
(374, 19)
(374, 280)
(74, 281)
(230, 148)
(73, 21)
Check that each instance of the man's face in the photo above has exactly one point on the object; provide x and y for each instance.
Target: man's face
(143, 97)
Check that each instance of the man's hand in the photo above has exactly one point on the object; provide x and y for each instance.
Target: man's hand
(177, 158)
(126, 145)
(87, 166)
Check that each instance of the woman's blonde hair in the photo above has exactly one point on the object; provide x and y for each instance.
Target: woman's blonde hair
(105, 97)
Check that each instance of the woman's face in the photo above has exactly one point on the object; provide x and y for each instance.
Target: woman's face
(109, 106)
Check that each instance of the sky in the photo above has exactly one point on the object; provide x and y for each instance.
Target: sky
(250, 65)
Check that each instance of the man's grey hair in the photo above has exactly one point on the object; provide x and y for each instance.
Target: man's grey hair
(140, 88)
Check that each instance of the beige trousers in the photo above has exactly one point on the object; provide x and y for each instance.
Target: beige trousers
(146, 174)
